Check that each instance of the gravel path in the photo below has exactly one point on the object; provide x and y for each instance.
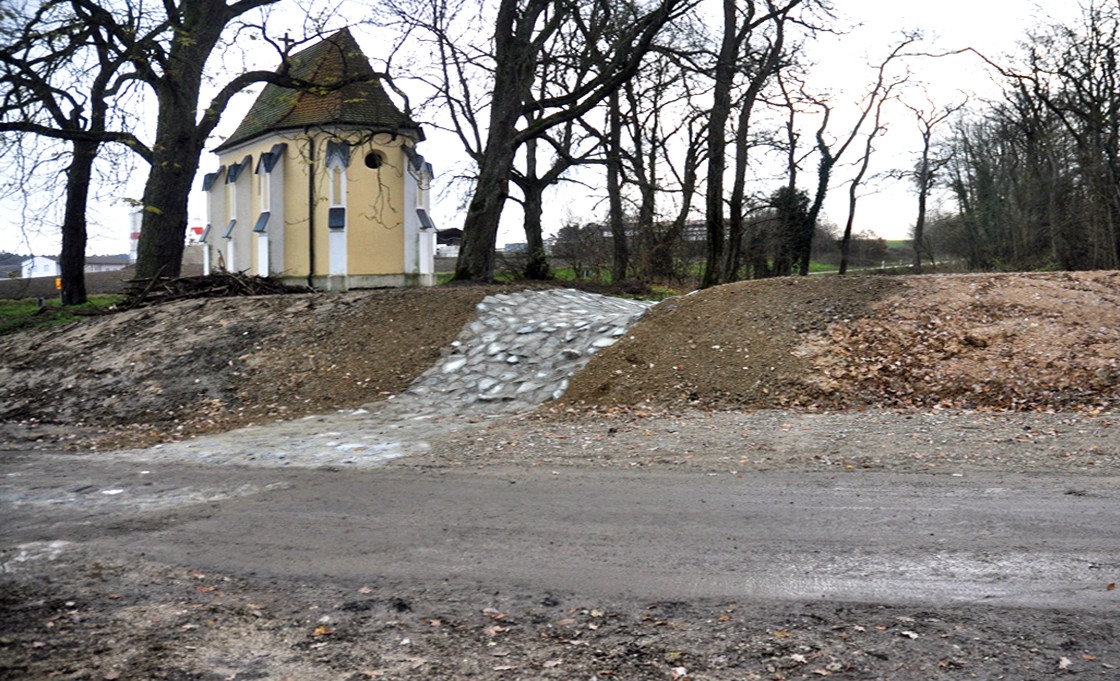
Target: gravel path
(953, 442)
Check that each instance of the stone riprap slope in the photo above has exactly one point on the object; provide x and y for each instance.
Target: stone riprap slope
(520, 351)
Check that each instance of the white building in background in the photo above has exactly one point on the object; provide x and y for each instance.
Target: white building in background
(47, 266)
(40, 266)
(106, 263)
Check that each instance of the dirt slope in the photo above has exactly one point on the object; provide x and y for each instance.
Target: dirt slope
(1013, 341)
(1020, 342)
(194, 366)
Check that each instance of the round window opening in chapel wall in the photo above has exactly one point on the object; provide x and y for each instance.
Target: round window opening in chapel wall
(374, 159)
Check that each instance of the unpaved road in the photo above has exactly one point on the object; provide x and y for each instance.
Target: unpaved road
(979, 556)
(1035, 541)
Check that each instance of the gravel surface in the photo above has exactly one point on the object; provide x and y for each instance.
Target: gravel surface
(943, 441)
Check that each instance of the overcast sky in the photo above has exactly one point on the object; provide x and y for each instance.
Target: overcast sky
(993, 26)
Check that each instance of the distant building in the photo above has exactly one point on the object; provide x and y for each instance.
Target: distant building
(106, 263)
(40, 266)
(47, 266)
(323, 188)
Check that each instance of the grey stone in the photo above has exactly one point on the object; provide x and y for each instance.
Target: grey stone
(518, 353)
(454, 365)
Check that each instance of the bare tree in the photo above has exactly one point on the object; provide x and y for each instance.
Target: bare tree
(765, 63)
(831, 153)
(533, 182)
(1074, 72)
(616, 220)
(63, 72)
(691, 132)
(520, 33)
(1037, 175)
(929, 166)
(652, 114)
(740, 22)
(877, 127)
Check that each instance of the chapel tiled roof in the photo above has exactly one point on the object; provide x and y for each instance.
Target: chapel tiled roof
(364, 104)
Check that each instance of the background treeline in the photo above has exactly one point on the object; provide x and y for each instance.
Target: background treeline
(1036, 176)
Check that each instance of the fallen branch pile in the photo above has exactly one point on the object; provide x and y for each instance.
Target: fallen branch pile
(219, 285)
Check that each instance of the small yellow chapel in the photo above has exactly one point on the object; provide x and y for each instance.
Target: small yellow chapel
(324, 187)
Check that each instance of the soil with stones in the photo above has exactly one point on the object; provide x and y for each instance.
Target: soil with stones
(1015, 373)
(142, 620)
(154, 374)
(1040, 342)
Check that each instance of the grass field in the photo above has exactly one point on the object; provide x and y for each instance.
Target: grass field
(26, 313)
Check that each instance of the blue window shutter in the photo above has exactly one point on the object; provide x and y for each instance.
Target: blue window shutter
(336, 219)
(210, 179)
(262, 222)
(273, 156)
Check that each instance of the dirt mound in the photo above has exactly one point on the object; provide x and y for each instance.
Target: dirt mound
(194, 366)
(1018, 342)
(726, 346)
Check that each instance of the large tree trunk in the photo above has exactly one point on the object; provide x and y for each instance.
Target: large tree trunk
(164, 224)
(846, 240)
(853, 188)
(734, 256)
(480, 229)
(180, 135)
(647, 211)
(515, 56)
(532, 186)
(733, 260)
(643, 167)
(73, 256)
(805, 237)
(919, 228)
(923, 191)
